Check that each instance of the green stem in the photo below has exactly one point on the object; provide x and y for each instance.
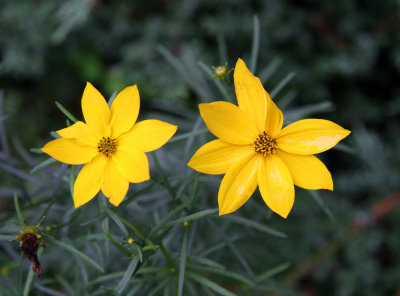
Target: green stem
(163, 179)
(229, 86)
(166, 255)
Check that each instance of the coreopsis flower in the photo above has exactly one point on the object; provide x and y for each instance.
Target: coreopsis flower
(253, 149)
(111, 145)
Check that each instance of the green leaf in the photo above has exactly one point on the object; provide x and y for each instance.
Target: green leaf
(234, 277)
(222, 52)
(256, 44)
(305, 111)
(75, 252)
(7, 237)
(270, 69)
(316, 196)
(43, 164)
(127, 275)
(160, 286)
(140, 253)
(209, 284)
(188, 135)
(113, 241)
(206, 262)
(281, 84)
(72, 180)
(192, 217)
(174, 212)
(221, 87)
(18, 210)
(66, 112)
(345, 148)
(116, 219)
(272, 272)
(112, 98)
(217, 247)
(186, 72)
(255, 225)
(107, 277)
(235, 251)
(36, 150)
(182, 263)
(28, 282)
(43, 216)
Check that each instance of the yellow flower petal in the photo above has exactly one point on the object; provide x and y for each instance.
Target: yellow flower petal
(79, 131)
(250, 94)
(217, 156)
(310, 136)
(69, 151)
(274, 120)
(148, 135)
(89, 180)
(124, 111)
(238, 184)
(115, 186)
(132, 164)
(307, 171)
(96, 111)
(229, 123)
(276, 185)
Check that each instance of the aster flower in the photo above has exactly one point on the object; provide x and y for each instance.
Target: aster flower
(253, 149)
(111, 145)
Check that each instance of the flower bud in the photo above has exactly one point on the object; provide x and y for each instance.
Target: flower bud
(221, 72)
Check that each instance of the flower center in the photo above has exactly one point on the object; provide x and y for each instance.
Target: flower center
(265, 144)
(107, 146)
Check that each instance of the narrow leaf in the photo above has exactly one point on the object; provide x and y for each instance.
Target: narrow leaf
(172, 213)
(116, 219)
(209, 284)
(113, 241)
(72, 180)
(182, 264)
(36, 150)
(18, 210)
(75, 252)
(255, 225)
(66, 112)
(256, 44)
(282, 84)
(315, 195)
(127, 275)
(188, 135)
(43, 164)
(271, 272)
(192, 217)
(222, 52)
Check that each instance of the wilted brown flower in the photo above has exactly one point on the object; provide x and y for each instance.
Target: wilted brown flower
(29, 243)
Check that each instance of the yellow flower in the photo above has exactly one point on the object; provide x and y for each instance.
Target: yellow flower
(110, 144)
(253, 149)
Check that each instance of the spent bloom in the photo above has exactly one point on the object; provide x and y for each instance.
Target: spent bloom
(111, 145)
(29, 242)
(253, 149)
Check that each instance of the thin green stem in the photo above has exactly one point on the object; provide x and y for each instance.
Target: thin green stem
(163, 178)
(228, 85)
(166, 255)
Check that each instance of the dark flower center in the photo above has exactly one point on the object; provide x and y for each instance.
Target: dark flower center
(265, 144)
(107, 146)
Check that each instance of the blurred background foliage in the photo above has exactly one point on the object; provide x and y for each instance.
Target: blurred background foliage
(345, 55)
